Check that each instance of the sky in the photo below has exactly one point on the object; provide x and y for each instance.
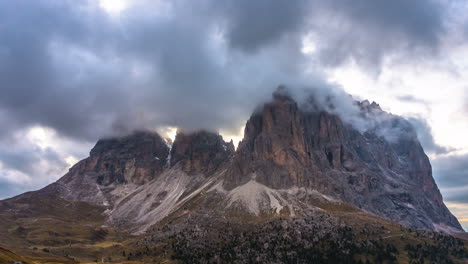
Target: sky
(74, 71)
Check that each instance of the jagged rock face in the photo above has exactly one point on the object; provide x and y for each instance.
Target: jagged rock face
(121, 167)
(200, 152)
(137, 159)
(285, 146)
(113, 164)
(273, 147)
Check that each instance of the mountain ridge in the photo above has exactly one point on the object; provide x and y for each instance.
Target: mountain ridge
(285, 149)
(295, 163)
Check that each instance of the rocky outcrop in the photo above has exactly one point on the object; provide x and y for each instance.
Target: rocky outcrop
(273, 149)
(137, 158)
(200, 152)
(114, 164)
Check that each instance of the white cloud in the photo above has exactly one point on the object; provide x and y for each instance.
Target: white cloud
(114, 7)
(13, 176)
(167, 132)
(36, 156)
(440, 87)
(235, 137)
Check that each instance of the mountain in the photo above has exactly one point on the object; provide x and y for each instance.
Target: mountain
(301, 174)
(286, 148)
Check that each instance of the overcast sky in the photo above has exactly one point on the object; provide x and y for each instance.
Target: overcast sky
(73, 71)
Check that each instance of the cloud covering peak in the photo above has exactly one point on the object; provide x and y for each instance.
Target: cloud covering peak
(73, 67)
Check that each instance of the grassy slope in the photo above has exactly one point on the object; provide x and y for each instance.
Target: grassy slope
(7, 256)
(55, 228)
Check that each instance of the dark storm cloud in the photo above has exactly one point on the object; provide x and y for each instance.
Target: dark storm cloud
(457, 196)
(27, 160)
(253, 24)
(365, 30)
(452, 170)
(37, 86)
(70, 66)
(420, 20)
(451, 173)
(368, 30)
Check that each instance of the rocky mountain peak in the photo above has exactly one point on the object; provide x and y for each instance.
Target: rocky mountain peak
(283, 143)
(383, 170)
(137, 158)
(368, 106)
(200, 152)
(138, 142)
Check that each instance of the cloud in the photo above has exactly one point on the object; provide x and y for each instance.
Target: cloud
(86, 75)
(33, 158)
(451, 174)
(461, 211)
(73, 67)
(253, 24)
(410, 99)
(41, 65)
(8, 189)
(425, 136)
(24, 165)
(26, 160)
(368, 31)
(452, 170)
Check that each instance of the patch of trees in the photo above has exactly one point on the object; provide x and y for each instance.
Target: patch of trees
(312, 239)
(442, 249)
